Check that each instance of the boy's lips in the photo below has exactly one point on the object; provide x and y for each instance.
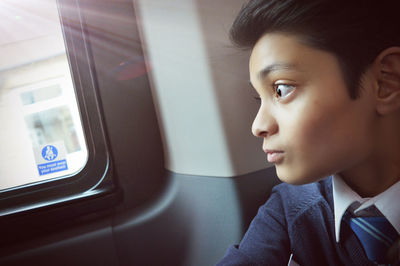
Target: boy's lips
(274, 156)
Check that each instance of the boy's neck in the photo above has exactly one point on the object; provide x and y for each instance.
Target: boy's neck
(369, 182)
(382, 168)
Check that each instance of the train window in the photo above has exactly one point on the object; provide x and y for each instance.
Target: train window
(53, 151)
(40, 117)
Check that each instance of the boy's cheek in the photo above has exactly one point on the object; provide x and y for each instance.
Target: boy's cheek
(312, 149)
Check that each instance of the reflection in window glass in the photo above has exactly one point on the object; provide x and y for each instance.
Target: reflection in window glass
(41, 94)
(41, 135)
(53, 125)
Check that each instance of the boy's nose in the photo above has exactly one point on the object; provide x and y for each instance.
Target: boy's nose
(264, 124)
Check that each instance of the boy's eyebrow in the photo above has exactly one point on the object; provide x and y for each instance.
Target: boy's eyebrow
(274, 67)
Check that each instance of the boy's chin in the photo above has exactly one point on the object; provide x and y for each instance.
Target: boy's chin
(295, 178)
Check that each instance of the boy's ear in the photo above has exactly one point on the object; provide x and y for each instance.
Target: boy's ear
(388, 80)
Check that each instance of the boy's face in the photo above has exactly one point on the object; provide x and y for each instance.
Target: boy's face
(310, 126)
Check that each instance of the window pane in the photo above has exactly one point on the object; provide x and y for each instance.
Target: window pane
(41, 135)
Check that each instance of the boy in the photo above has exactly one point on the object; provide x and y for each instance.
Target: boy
(328, 78)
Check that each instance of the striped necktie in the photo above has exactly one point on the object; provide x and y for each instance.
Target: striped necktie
(376, 235)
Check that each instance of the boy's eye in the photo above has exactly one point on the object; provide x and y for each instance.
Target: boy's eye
(283, 90)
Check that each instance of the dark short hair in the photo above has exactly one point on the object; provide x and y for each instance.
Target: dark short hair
(354, 31)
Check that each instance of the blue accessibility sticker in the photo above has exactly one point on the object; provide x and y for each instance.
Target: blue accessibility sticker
(52, 159)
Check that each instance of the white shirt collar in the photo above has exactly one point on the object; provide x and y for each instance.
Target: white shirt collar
(386, 202)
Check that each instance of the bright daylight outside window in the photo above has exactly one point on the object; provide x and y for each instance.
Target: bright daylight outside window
(41, 135)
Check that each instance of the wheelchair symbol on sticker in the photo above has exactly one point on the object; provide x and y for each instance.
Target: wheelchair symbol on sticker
(49, 153)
